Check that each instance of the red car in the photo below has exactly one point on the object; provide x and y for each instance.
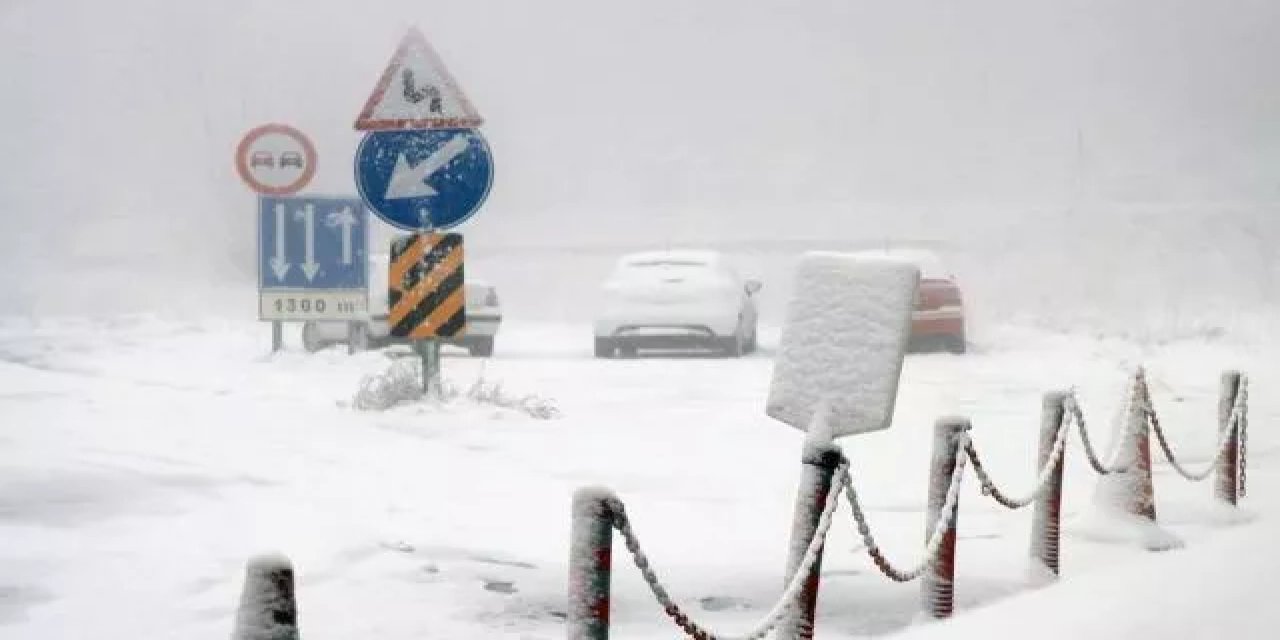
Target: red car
(938, 317)
(937, 321)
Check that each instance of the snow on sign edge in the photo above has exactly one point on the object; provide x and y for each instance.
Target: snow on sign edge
(382, 111)
(846, 332)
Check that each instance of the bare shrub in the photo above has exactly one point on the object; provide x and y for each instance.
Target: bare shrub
(401, 384)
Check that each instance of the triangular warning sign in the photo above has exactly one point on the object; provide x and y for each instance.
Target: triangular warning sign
(416, 92)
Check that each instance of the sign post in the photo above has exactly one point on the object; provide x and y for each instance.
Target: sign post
(276, 160)
(423, 167)
(836, 373)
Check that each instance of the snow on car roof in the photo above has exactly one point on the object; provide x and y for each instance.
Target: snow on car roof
(929, 263)
(671, 256)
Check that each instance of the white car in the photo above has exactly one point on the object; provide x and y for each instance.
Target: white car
(676, 299)
(484, 317)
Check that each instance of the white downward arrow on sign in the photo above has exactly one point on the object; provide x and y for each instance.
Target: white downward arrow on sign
(279, 265)
(309, 266)
(409, 181)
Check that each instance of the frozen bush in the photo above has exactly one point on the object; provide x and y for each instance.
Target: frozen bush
(401, 384)
(492, 393)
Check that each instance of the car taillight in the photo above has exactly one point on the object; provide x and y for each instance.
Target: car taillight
(937, 293)
(491, 300)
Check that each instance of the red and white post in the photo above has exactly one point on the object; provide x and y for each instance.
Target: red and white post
(1143, 498)
(590, 564)
(1130, 489)
(938, 584)
(1227, 471)
(821, 457)
(1046, 522)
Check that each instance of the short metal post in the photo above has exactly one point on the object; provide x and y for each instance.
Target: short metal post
(277, 336)
(590, 564)
(1143, 497)
(353, 337)
(938, 584)
(1226, 473)
(268, 608)
(1129, 488)
(820, 459)
(433, 383)
(429, 352)
(1046, 523)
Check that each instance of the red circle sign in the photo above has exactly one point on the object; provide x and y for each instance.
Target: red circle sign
(275, 159)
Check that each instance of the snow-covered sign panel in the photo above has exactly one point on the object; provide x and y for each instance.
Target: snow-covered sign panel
(416, 91)
(842, 347)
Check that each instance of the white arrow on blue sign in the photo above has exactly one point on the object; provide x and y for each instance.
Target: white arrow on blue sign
(309, 247)
(424, 179)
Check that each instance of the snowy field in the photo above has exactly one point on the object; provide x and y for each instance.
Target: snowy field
(1100, 176)
(145, 460)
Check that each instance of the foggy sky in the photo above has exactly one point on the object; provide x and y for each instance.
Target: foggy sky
(612, 120)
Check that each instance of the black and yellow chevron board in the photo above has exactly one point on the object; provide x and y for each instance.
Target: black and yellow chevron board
(426, 289)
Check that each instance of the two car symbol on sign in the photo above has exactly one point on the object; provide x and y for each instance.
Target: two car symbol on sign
(266, 159)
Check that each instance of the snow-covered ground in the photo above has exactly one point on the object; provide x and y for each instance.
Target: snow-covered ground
(146, 459)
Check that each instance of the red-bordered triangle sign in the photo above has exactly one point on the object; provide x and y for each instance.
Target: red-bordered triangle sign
(417, 92)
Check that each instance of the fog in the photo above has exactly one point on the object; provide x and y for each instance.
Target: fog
(1090, 165)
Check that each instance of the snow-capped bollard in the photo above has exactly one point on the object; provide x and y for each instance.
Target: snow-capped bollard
(1226, 473)
(1142, 499)
(590, 564)
(1046, 523)
(268, 609)
(1124, 502)
(820, 459)
(1130, 489)
(938, 583)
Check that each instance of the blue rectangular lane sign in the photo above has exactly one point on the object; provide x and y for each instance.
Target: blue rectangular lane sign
(312, 258)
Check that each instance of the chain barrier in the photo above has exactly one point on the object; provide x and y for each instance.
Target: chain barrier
(1073, 410)
(989, 487)
(1243, 425)
(842, 482)
(1224, 437)
(775, 615)
(946, 517)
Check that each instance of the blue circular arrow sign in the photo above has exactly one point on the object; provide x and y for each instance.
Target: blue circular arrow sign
(416, 179)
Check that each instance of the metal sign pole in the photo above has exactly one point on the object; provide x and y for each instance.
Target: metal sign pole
(433, 383)
(430, 349)
(277, 336)
(356, 341)
(429, 352)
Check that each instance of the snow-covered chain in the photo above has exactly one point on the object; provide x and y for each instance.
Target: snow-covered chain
(946, 516)
(1073, 410)
(780, 608)
(1243, 426)
(1234, 425)
(1043, 477)
(842, 482)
